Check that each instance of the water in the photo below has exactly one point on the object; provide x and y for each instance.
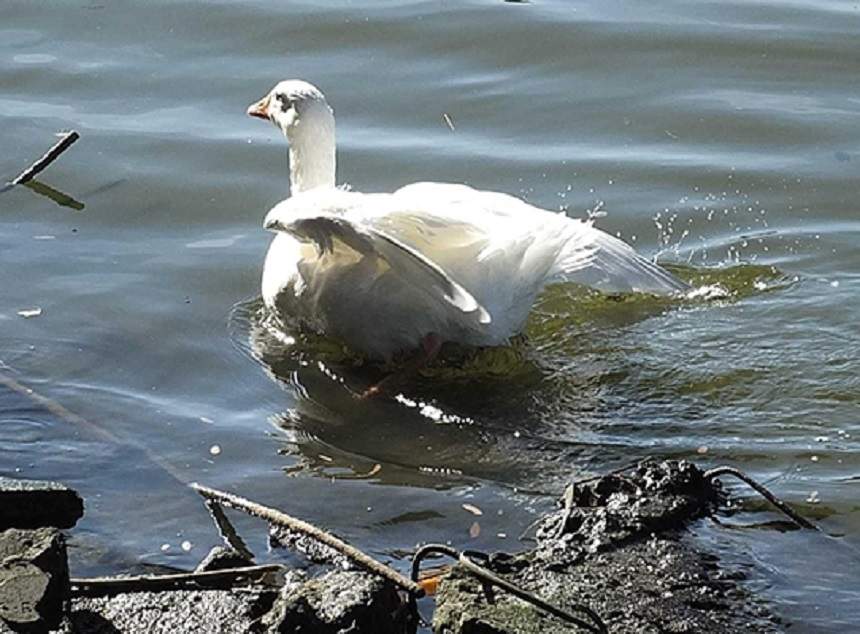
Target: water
(721, 135)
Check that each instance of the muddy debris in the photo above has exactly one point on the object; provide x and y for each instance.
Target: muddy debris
(617, 546)
(607, 512)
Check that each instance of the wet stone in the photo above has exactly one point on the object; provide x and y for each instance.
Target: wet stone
(198, 611)
(619, 548)
(607, 511)
(282, 537)
(34, 579)
(33, 504)
(221, 558)
(339, 602)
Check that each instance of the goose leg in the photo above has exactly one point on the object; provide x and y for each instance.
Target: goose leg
(430, 346)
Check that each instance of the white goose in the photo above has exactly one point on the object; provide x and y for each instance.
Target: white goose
(432, 262)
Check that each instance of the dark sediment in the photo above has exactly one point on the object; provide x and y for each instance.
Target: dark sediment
(618, 548)
(657, 585)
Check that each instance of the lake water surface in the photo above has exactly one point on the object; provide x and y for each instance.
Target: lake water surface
(722, 136)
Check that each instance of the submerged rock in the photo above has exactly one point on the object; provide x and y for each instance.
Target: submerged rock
(617, 548)
(33, 504)
(34, 579)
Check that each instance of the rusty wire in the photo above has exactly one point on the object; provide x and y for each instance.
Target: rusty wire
(716, 472)
(467, 558)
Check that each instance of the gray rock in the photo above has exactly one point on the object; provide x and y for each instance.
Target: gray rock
(33, 504)
(220, 558)
(34, 579)
(338, 603)
(198, 611)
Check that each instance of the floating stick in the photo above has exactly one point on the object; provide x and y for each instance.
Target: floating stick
(49, 157)
(279, 518)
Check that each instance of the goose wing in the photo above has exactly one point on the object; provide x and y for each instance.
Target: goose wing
(332, 229)
(548, 245)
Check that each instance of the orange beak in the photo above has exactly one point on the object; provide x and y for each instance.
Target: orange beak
(260, 109)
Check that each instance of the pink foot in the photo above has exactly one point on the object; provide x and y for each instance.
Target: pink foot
(430, 345)
(373, 390)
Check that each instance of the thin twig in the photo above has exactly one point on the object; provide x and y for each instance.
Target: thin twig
(279, 518)
(465, 559)
(49, 157)
(225, 528)
(524, 535)
(770, 497)
(151, 583)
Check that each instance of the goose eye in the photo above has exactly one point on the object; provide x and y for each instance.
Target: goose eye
(286, 102)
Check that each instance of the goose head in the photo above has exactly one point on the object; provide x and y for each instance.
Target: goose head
(300, 111)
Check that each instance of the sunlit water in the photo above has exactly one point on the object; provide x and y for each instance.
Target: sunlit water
(722, 137)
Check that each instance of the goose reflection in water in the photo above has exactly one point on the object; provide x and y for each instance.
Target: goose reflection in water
(517, 415)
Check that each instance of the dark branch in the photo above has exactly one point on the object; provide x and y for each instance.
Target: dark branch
(49, 157)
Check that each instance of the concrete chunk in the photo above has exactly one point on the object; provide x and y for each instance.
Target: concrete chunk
(34, 579)
(179, 611)
(338, 603)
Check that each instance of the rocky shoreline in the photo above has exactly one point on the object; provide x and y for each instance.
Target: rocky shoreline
(618, 546)
(616, 550)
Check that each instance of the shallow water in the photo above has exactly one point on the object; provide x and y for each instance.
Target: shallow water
(721, 136)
